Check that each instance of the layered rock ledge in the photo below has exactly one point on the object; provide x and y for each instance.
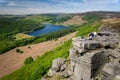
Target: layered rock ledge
(96, 59)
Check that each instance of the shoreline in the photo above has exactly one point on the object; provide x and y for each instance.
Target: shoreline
(26, 32)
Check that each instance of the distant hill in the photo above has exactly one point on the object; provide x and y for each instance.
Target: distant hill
(75, 20)
(104, 14)
(96, 13)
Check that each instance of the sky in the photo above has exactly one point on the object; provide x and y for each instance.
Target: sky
(57, 6)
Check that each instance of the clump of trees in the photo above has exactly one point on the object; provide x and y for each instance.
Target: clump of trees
(19, 51)
(28, 60)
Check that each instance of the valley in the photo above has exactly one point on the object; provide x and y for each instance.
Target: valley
(16, 46)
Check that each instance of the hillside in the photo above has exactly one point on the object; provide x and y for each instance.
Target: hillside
(76, 20)
(104, 14)
(113, 24)
(45, 60)
(12, 25)
(41, 65)
(11, 60)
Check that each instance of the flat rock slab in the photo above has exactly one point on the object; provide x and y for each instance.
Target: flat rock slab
(89, 44)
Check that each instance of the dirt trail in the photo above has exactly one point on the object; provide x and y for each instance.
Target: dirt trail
(11, 61)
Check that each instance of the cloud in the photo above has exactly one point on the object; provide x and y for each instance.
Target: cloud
(11, 3)
(101, 1)
(69, 2)
(57, 6)
(26, 3)
(3, 1)
(35, 11)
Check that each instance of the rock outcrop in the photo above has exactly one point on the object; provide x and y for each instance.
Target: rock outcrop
(96, 59)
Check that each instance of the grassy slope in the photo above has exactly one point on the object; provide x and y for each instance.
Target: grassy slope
(40, 66)
(86, 29)
(75, 20)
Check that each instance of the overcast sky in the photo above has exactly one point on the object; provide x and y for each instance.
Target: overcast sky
(56, 6)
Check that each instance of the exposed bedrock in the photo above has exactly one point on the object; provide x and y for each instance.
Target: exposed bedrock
(96, 59)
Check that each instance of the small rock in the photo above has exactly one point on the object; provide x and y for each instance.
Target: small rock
(67, 73)
(63, 67)
(117, 77)
(57, 63)
(51, 72)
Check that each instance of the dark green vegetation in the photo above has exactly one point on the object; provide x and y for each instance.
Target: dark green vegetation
(28, 60)
(19, 51)
(11, 25)
(41, 65)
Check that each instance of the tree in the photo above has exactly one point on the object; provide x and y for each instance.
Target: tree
(28, 60)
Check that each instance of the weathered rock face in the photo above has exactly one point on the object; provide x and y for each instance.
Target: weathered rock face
(95, 59)
(57, 65)
(111, 71)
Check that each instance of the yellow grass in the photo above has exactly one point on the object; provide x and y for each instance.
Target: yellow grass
(20, 36)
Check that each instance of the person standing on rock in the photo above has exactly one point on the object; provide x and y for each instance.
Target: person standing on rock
(91, 35)
(95, 33)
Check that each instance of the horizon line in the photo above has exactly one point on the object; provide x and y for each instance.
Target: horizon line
(7, 14)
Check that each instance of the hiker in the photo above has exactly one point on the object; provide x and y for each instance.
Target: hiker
(95, 33)
(91, 35)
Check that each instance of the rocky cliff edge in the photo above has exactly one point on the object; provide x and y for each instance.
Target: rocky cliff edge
(96, 59)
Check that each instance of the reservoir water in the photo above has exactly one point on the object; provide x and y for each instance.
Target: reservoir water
(47, 29)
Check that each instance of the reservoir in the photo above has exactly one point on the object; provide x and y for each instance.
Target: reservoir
(47, 29)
